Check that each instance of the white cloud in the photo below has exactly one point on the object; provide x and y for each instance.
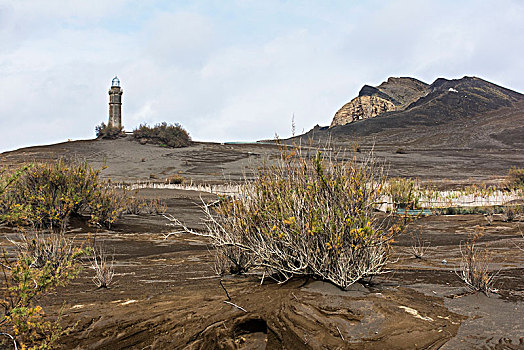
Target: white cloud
(234, 71)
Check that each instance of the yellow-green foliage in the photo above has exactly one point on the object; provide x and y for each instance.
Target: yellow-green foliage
(403, 193)
(43, 262)
(307, 215)
(47, 194)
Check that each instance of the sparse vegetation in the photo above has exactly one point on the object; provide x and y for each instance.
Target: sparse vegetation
(137, 206)
(418, 246)
(103, 268)
(306, 215)
(46, 195)
(104, 131)
(515, 179)
(163, 134)
(176, 179)
(512, 213)
(490, 212)
(474, 268)
(403, 193)
(43, 260)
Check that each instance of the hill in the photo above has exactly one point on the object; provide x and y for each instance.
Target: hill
(461, 113)
(474, 134)
(464, 128)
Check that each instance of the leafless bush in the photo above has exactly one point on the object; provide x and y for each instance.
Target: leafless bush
(133, 206)
(308, 214)
(418, 246)
(103, 268)
(43, 247)
(231, 256)
(474, 268)
(490, 212)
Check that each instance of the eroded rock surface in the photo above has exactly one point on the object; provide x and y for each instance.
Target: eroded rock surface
(392, 95)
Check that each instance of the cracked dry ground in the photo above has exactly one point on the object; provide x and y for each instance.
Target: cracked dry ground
(166, 295)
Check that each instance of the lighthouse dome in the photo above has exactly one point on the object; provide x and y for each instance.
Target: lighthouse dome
(115, 82)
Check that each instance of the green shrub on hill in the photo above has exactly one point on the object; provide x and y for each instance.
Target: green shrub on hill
(163, 134)
(104, 131)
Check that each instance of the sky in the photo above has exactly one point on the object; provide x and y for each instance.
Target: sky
(236, 70)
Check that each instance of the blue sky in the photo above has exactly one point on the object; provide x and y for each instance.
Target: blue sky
(233, 70)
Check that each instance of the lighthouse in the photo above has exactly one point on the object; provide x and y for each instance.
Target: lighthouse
(115, 104)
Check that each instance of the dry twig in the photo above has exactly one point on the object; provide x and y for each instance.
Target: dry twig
(474, 269)
(104, 269)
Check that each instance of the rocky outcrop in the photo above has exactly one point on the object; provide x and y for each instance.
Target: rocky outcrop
(392, 95)
(362, 107)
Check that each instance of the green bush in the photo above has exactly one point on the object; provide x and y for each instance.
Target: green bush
(403, 193)
(308, 214)
(42, 262)
(104, 131)
(163, 135)
(46, 195)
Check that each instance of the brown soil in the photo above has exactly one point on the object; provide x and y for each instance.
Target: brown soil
(125, 160)
(167, 296)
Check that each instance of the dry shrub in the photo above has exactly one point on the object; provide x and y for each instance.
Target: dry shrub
(308, 214)
(176, 179)
(42, 261)
(512, 213)
(418, 246)
(515, 179)
(46, 195)
(103, 268)
(137, 206)
(520, 247)
(474, 267)
(489, 215)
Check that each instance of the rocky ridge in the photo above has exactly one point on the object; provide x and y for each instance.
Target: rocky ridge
(461, 119)
(395, 94)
